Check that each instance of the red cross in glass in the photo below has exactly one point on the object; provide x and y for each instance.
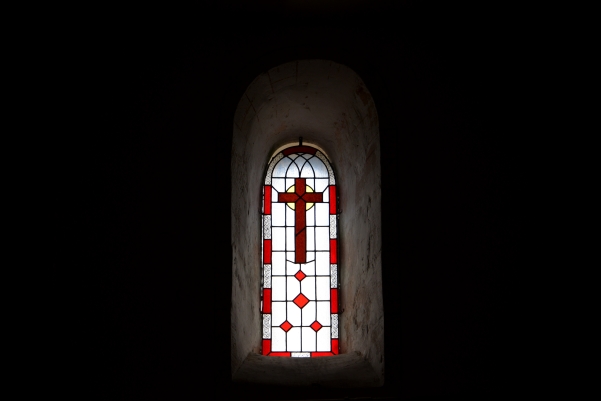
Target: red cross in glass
(300, 197)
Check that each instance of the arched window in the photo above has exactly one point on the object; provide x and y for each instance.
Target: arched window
(330, 107)
(300, 248)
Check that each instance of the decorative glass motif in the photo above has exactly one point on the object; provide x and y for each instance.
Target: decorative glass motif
(300, 255)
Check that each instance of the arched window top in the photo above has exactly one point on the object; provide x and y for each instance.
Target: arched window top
(301, 162)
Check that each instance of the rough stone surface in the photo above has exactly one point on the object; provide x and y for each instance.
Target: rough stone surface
(345, 370)
(329, 106)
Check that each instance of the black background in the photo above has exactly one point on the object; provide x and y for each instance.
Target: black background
(148, 194)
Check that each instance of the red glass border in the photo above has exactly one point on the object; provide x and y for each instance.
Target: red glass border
(267, 199)
(267, 251)
(266, 300)
(333, 197)
(299, 149)
(318, 354)
(333, 250)
(334, 300)
(266, 346)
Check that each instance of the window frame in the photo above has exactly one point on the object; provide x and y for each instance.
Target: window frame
(333, 190)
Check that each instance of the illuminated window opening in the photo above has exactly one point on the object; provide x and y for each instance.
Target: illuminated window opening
(300, 289)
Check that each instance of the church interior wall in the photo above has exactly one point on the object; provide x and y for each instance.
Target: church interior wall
(148, 229)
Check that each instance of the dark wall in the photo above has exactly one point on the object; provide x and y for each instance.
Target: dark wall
(149, 193)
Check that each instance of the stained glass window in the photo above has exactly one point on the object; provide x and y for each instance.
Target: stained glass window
(299, 294)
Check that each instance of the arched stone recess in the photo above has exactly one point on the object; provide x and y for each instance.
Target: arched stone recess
(329, 106)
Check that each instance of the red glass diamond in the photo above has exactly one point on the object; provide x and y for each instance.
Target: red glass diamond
(286, 326)
(316, 325)
(300, 301)
(300, 275)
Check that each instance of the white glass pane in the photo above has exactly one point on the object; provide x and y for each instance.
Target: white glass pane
(289, 183)
(278, 263)
(321, 185)
(294, 314)
(308, 287)
(293, 171)
(322, 212)
(278, 339)
(278, 313)
(294, 155)
(311, 183)
(278, 239)
(322, 238)
(292, 268)
(309, 268)
(308, 313)
(290, 218)
(322, 263)
(294, 339)
(278, 288)
(290, 257)
(323, 287)
(278, 214)
(300, 355)
(281, 167)
(311, 216)
(310, 238)
(309, 339)
(319, 168)
(307, 171)
(302, 159)
(290, 238)
(323, 340)
(323, 313)
(279, 185)
(293, 288)
(326, 194)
